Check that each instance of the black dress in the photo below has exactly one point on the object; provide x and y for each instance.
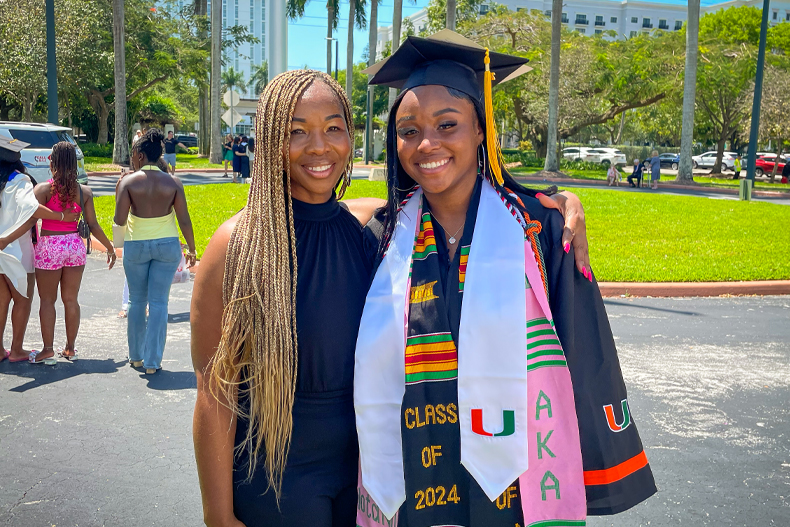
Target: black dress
(319, 486)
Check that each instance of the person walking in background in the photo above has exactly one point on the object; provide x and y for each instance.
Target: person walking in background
(737, 167)
(655, 170)
(60, 252)
(244, 161)
(137, 136)
(636, 175)
(170, 152)
(250, 155)
(19, 210)
(227, 153)
(612, 175)
(236, 159)
(148, 202)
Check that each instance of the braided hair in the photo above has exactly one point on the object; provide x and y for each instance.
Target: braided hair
(150, 144)
(256, 359)
(64, 172)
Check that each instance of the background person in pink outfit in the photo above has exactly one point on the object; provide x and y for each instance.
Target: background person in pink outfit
(60, 252)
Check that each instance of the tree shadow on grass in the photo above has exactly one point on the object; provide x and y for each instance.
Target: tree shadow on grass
(41, 374)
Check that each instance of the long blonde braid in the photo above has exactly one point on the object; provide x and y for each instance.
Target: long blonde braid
(257, 354)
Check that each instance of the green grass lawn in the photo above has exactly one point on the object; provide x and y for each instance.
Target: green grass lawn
(104, 164)
(634, 237)
(701, 180)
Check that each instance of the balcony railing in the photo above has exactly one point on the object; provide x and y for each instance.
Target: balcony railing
(565, 20)
(600, 23)
(582, 22)
(647, 25)
(662, 25)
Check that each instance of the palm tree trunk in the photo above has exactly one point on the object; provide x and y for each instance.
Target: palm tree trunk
(372, 40)
(352, 4)
(685, 167)
(204, 130)
(397, 18)
(552, 161)
(216, 73)
(120, 149)
(329, 23)
(451, 7)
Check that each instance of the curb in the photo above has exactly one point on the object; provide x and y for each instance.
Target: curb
(661, 186)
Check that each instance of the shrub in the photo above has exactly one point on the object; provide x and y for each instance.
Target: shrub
(96, 150)
(525, 145)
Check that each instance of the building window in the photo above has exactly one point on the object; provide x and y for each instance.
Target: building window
(662, 24)
(776, 14)
(634, 20)
(787, 17)
(236, 11)
(547, 12)
(224, 13)
(565, 18)
(581, 20)
(646, 23)
(598, 31)
(599, 20)
(678, 25)
(613, 20)
(634, 33)
(484, 9)
(582, 30)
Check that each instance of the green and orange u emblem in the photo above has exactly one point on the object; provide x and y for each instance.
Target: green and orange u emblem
(508, 421)
(610, 419)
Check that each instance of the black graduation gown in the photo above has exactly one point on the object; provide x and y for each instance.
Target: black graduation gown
(617, 475)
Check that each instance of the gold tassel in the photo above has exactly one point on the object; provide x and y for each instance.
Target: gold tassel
(492, 142)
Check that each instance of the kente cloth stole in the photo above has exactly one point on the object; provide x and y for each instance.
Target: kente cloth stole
(515, 400)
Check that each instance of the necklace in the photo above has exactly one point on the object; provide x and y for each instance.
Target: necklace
(452, 239)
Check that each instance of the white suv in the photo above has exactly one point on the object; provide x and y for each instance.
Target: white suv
(42, 137)
(708, 159)
(607, 156)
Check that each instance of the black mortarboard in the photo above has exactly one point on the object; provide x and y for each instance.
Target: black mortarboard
(451, 60)
(10, 149)
(445, 59)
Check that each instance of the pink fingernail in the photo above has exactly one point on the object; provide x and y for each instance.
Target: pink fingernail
(590, 276)
(567, 247)
(540, 195)
(584, 271)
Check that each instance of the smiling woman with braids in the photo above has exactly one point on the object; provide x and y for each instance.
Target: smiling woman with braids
(275, 313)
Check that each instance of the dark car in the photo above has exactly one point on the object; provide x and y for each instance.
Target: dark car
(187, 140)
(668, 160)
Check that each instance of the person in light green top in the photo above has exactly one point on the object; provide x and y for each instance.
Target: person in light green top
(149, 202)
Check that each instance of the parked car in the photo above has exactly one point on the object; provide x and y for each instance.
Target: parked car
(607, 156)
(42, 137)
(708, 159)
(765, 164)
(358, 152)
(189, 141)
(575, 153)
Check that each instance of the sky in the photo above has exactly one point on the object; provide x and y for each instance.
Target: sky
(307, 36)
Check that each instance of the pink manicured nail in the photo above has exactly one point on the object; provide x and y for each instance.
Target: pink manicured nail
(567, 247)
(584, 271)
(589, 276)
(540, 195)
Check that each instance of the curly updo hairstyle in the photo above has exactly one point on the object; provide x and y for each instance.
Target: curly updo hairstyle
(150, 144)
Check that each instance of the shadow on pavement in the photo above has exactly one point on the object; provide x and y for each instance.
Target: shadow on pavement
(177, 318)
(651, 308)
(41, 374)
(171, 380)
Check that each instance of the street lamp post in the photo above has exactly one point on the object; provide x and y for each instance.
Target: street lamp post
(52, 70)
(746, 185)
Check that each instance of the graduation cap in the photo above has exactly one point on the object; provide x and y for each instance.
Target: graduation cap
(10, 149)
(451, 60)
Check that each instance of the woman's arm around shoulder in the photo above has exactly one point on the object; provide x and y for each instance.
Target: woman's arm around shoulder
(364, 208)
(214, 425)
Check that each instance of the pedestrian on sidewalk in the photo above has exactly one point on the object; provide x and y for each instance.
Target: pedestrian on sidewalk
(655, 170)
(636, 175)
(227, 153)
(737, 166)
(170, 152)
(244, 160)
(60, 253)
(148, 202)
(19, 210)
(250, 155)
(236, 159)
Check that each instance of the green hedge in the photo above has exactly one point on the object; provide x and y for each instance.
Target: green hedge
(96, 150)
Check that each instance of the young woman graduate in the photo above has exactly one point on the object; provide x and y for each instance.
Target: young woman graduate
(486, 385)
(274, 426)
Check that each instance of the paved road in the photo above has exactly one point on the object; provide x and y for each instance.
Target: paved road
(97, 443)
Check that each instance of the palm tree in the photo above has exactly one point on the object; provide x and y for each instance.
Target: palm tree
(356, 15)
(201, 9)
(259, 78)
(233, 79)
(450, 21)
(120, 149)
(215, 155)
(552, 162)
(332, 16)
(397, 18)
(372, 39)
(685, 167)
